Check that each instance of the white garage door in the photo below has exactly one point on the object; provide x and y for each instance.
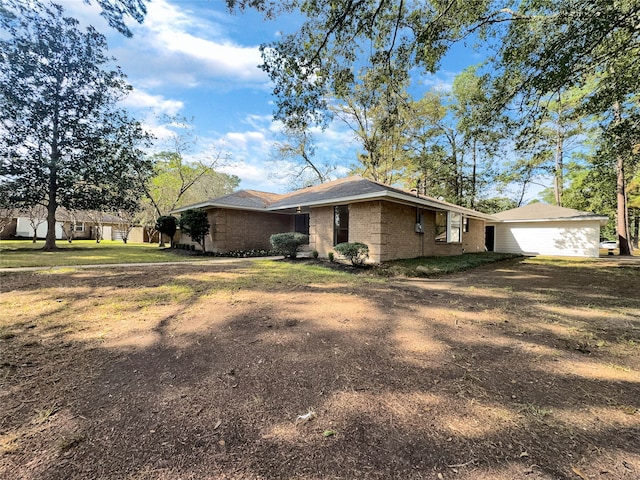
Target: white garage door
(106, 232)
(566, 239)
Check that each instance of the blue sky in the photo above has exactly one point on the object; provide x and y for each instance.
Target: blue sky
(194, 59)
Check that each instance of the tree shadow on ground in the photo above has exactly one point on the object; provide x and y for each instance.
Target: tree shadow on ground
(405, 379)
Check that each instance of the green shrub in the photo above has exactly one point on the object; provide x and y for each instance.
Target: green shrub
(331, 256)
(357, 253)
(195, 224)
(288, 243)
(315, 254)
(167, 225)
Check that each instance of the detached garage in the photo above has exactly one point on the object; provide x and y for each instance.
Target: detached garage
(540, 229)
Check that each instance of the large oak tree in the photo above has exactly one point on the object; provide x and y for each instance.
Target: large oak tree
(63, 139)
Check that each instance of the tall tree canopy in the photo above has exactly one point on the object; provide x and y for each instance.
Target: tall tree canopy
(116, 12)
(63, 139)
(560, 44)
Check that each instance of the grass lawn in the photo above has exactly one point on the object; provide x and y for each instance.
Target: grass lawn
(25, 253)
(434, 266)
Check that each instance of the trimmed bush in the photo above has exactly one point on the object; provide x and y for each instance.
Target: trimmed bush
(288, 243)
(356, 252)
(331, 256)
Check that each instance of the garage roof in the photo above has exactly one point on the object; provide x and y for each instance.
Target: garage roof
(542, 212)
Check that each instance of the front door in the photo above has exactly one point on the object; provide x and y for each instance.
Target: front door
(302, 223)
(489, 237)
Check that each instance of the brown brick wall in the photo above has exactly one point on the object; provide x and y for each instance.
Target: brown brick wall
(244, 230)
(321, 230)
(365, 227)
(399, 239)
(473, 241)
(389, 230)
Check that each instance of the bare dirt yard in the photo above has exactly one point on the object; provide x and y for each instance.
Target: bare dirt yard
(524, 369)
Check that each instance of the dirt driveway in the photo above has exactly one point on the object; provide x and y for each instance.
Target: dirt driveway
(518, 370)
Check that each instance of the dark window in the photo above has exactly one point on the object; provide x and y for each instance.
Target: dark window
(448, 227)
(441, 226)
(302, 223)
(340, 224)
(465, 228)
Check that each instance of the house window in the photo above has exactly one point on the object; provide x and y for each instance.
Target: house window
(465, 224)
(441, 226)
(448, 227)
(340, 224)
(78, 227)
(455, 228)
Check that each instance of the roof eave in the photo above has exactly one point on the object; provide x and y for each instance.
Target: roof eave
(385, 195)
(599, 218)
(209, 205)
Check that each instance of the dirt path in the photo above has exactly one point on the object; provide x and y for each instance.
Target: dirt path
(514, 371)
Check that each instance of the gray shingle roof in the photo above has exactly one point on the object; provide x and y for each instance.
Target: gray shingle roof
(543, 211)
(344, 190)
(247, 199)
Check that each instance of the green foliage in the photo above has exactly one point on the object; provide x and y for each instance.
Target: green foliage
(356, 252)
(434, 266)
(331, 256)
(167, 224)
(572, 44)
(195, 224)
(288, 243)
(384, 40)
(63, 139)
(495, 205)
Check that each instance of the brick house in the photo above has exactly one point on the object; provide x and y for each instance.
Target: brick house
(394, 223)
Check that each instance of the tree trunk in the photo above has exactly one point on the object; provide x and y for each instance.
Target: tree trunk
(622, 220)
(52, 204)
(474, 175)
(558, 179)
(50, 239)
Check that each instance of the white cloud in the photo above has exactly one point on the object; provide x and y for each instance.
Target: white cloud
(441, 81)
(139, 99)
(193, 47)
(243, 140)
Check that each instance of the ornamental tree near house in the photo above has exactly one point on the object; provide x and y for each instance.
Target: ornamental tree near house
(195, 224)
(167, 225)
(63, 141)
